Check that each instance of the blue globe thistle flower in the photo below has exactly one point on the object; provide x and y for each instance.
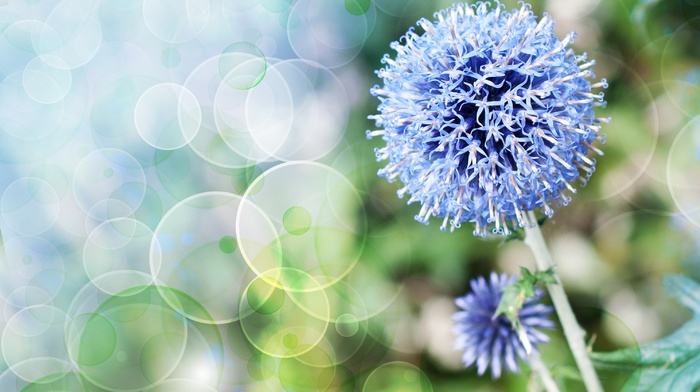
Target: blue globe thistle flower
(486, 115)
(486, 340)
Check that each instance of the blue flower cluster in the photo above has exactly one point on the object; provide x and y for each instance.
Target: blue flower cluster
(487, 340)
(487, 115)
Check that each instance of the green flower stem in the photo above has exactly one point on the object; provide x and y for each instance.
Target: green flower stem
(542, 371)
(574, 333)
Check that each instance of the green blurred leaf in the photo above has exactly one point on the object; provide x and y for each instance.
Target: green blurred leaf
(546, 277)
(668, 364)
(514, 296)
(511, 302)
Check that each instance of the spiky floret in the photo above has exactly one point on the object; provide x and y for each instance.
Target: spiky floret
(486, 115)
(491, 341)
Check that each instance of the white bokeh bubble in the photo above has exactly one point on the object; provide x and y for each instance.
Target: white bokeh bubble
(31, 261)
(269, 112)
(119, 247)
(167, 116)
(125, 342)
(242, 65)
(239, 6)
(314, 119)
(404, 376)
(71, 217)
(46, 83)
(231, 110)
(320, 229)
(23, 297)
(176, 21)
(29, 206)
(277, 313)
(195, 250)
(214, 139)
(73, 36)
(32, 342)
(24, 116)
(327, 32)
(6, 19)
(109, 178)
(17, 42)
(258, 238)
(276, 6)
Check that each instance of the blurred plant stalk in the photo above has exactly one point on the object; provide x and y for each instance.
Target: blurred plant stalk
(575, 335)
(542, 371)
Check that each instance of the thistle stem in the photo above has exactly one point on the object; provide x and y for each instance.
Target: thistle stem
(542, 371)
(574, 333)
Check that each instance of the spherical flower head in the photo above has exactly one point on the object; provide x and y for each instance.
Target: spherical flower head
(487, 115)
(486, 340)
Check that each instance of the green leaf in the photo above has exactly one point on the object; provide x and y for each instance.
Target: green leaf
(510, 304)
(526, 274)
(514, 296)
(671, 363)
(686, 290)
(528, 289)
(546, 277)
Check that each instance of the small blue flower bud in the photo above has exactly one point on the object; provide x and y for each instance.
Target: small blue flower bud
(488, 341)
